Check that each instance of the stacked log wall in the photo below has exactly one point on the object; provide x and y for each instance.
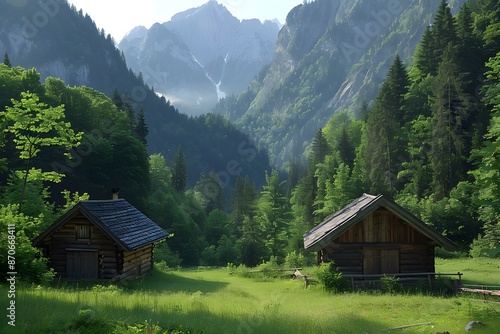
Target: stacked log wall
(65, 238)
(381, 230)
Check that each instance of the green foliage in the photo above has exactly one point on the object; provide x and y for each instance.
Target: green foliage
(273, 215)
(390, 284)
(163, 254)
(487, 173)
(34, 125)
(179, 171)
(298, 259)
(482, 247)
(330, 278)
(383, 125)
(19, 230)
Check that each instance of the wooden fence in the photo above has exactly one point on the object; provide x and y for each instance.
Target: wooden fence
(403, 278)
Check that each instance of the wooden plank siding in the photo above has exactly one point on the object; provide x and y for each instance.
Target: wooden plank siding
(381, 243)
(65, 240)
(138, 262)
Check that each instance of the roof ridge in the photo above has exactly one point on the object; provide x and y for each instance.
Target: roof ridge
(344, 209)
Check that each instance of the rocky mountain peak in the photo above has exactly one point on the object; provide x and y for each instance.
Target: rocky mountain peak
(230, 52)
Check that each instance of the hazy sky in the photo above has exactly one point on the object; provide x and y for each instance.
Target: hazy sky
(117, 17)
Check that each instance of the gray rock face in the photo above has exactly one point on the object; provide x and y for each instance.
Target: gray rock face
(228, 53)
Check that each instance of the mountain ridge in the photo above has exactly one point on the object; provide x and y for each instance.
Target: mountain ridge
(230, 52)
(330, 56)
(69, 45)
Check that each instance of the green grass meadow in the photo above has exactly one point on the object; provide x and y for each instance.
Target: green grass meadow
(214, 301)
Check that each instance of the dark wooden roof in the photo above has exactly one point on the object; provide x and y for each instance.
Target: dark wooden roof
(341, 221)
(121, 221)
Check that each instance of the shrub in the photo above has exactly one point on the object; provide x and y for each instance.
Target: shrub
(163, 253)
(390, 284)
(483, 248)
(295, 259)
(268, 268)
(241, 270)
(28, 260)
(329, 277)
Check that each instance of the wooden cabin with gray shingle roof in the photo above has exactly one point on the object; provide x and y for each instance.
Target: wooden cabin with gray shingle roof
(101, 240)
(374, 235)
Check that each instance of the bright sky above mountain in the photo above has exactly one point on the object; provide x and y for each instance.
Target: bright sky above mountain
(117, 17)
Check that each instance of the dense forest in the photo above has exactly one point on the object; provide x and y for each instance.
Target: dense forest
(71, 47)
(430, 140)
(330, 56)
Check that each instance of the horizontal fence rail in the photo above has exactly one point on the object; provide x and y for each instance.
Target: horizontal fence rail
(404, 277)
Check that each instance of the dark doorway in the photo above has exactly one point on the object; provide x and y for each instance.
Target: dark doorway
(82, 264)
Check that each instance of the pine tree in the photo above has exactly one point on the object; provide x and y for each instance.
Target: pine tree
(384, 122)
(443, 30)
(128, 108)
(450, 103)
(319, 149)
(488, 172)
(425, 61)
(179, 171)
(242, 202)
(435, 40)
(470, 49)
(346, 149)
(141, 128)
(273, 215)
(117, 99)
(6, 60)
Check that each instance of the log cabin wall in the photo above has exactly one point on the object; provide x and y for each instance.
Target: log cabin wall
(137, 263)
(381, 243)
(71, 238)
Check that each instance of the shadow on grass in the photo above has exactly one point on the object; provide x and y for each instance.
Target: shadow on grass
(43, 311)
(42, 314)
(161, 281)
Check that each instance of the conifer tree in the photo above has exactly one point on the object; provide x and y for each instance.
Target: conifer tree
(6, 60)
(435, 40)
(242, 202)
(425, 61)
(117, 99)
(141, 128)
(179, 171)
(128, 108)
(384, 122)
(273, 215)
(488, 172)
(448, 152)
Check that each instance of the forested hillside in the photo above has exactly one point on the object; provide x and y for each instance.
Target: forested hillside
(330, 56)
(61, 144)
(61, 42)
(430, 139)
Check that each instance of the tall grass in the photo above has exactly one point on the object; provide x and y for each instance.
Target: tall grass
(212, 301)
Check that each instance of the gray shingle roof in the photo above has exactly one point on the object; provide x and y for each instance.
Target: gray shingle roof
(121, 221)
(353, 213)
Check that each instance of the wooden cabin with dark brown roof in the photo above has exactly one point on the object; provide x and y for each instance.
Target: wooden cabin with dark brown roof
(101, 240)
(373, 235)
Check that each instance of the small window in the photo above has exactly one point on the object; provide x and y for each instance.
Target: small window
(83, 232)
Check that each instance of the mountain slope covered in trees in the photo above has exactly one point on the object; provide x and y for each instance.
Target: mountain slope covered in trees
(61, 42)
(330, 56)
(429, 140)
